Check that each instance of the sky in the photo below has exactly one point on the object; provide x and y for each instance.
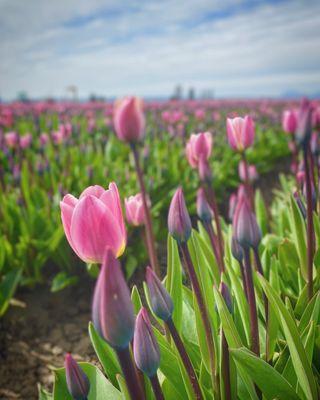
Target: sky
(236, 48)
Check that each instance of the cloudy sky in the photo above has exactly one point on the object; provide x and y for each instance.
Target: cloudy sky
(237, 48)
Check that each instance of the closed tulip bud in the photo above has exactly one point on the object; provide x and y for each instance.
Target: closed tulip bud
(128, 119)
(11, 139)
(225, 292)
(304, 127)
(240, 132)
(199, 147)
(232, 205)
(179, 223)
(236, 249)
(145, 346)
(246, 229)
(112, 309)
(160, 299)
(25, 141)
(77, 381)
(134, 210)
(204, 210)
(94, 222)
(289, 121)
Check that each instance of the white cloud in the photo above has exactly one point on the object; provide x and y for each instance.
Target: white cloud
(149, 46)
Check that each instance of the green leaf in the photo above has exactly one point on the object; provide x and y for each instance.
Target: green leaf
(43, 394)
(298, 355)
(100, 387)
(174, 280)
(298, 228)
(8, 286)
(63, 280)
(106, 355)
(270, 382)
(233, 339)
(261, 212)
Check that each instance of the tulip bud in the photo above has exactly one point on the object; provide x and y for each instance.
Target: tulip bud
(129, 122)
(134, 210)
(289, 121)
(160, 299)
(145, 346)
(179, 223)
(112, 309)
(225, 292)
(240, 132)
(246, 229)
(77, 381)
(236, 249)
(232, 205)
(304, 127)
(204, 210)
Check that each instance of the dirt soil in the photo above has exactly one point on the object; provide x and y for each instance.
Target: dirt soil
(34, 338)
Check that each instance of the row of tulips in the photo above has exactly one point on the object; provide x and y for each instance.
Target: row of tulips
(243, 323)
(50, 149)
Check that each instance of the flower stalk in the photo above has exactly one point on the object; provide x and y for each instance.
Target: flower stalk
(203, 312)
(185, 359)
(148, 222)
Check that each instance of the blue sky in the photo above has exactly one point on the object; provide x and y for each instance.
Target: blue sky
(238, 48)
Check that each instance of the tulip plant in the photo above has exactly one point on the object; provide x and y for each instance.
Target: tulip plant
(235, 315)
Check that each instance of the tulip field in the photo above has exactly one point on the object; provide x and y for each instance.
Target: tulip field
(160, 250)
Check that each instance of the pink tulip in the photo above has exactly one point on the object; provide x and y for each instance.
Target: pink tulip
(289, 121)
(94, 222)
(134, 210)
(251, 171)
(44, 139)
(240, 132)
(11, 139)
(199, 148)
(200, 114)
(25, 140)
(128, 119)
(57, 137)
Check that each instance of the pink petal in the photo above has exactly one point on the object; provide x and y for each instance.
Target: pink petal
(95, 191)
(93, 228)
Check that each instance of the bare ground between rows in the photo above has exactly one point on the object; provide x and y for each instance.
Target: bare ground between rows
(34, 338)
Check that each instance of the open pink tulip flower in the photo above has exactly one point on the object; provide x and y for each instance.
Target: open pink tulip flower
(94, 222)
(129, 120)
(198, 148)
(240, 132)
(290, 121)
(134, 210)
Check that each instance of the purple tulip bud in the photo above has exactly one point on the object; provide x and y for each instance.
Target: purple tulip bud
(246, 229)
(225, 292)
(160, 299)
(179, 222)
(77, 381)
(145, 346)
(236, 249)
(112, 309)
(232, 205)
(204, 210)
(300, 204)
(304, 127)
